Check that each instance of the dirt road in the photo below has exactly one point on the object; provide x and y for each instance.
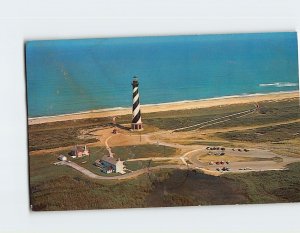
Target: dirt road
(218, 120)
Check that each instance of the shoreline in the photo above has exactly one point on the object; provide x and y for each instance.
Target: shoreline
(171, 106)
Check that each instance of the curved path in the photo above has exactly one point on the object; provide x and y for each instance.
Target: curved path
(130, 175)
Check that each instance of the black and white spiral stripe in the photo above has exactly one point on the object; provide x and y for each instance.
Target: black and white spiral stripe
(136, 112)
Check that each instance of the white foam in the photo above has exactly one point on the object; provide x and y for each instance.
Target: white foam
(279, 84)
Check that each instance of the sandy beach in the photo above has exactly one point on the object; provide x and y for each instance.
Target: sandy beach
(167, 107)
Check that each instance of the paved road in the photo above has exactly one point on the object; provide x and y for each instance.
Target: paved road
(119, 177)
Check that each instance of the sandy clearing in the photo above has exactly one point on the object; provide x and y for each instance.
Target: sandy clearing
(236, 167)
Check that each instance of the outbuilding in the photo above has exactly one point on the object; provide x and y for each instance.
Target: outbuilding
(62, 158)
(79, 151)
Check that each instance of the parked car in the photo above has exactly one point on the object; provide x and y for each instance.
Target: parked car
(225, 169)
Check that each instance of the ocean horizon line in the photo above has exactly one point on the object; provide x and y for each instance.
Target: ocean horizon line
(161, 104)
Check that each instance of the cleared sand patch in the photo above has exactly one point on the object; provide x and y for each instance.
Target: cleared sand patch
(239, 155)
(232, 158)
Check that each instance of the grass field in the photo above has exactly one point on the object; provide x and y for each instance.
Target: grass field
(73, 192)
(270, 186)
(62, 188)
(124, 153)
(144, 151)
(58, 134)
(137, 165)
(42, 169)
(275, 133)
(55, 187)
(196, 141)
(66, 133)
(56, 137)
(270, 112)
(182, 118)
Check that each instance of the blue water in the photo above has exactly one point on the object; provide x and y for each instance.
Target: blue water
(67, 76)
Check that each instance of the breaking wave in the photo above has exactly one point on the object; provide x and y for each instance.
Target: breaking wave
(279, 84)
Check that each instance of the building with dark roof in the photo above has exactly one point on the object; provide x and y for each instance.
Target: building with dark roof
(109, 164)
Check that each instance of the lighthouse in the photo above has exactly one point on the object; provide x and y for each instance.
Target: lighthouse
(136, 123)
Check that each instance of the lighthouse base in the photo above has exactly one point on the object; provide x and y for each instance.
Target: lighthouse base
(136, 126)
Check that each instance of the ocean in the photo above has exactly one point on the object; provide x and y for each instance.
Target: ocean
(69, 76)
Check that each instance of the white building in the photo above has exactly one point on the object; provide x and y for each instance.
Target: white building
(109, 164)
(62, 158)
